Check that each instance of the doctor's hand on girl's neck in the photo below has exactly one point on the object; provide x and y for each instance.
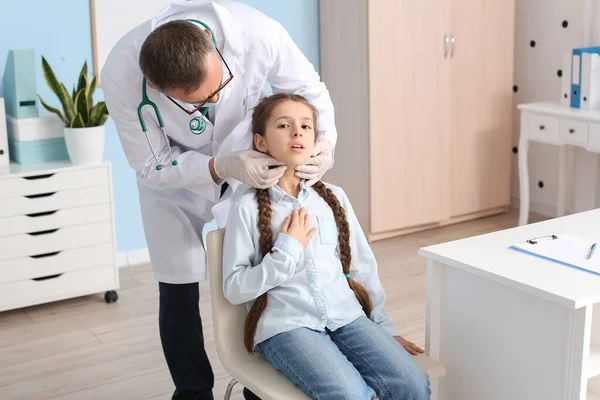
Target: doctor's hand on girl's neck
(284, 127)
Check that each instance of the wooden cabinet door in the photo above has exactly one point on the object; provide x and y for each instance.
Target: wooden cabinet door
(409, 113)
(481, 104)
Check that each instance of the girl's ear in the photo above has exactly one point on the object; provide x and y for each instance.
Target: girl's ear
(260, 143)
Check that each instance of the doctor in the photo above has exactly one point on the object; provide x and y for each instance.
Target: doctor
(181, 88)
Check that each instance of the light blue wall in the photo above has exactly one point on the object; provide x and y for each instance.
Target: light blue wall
(60, 30)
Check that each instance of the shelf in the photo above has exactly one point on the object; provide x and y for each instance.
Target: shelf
(594, 361)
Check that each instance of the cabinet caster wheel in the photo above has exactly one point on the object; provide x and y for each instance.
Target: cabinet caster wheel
(111, 296)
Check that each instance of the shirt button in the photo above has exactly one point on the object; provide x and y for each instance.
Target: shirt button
(310, 261)
(316, 289)
(323, 317)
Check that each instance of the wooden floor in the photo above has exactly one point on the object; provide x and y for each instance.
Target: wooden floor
(86, 349)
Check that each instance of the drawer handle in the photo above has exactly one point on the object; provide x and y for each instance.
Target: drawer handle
(571, 130)
(46, 255)
(37, 196)
(542, 127)
(34, 177)
(43, 278)
(42, 232)
(42, 214)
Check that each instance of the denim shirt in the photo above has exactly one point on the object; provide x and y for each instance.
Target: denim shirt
(305, 287)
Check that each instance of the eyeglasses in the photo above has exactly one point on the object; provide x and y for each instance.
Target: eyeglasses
(199, 106)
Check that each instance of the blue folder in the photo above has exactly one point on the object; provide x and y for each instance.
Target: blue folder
(576, 73)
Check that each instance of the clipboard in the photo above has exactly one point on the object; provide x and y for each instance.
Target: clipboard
(565, 249)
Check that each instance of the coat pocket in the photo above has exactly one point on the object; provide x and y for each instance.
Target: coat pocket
(253, 93)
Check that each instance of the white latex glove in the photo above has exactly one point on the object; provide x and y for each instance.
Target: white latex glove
(316, 166)
(250, 167)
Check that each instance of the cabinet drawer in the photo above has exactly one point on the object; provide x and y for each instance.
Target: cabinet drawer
(56, 263)
(70, 284)
(53, 201)
(543, 128)
(45, 183)
(31, 244)
(594, 140)
(54, 219)
(573, 131)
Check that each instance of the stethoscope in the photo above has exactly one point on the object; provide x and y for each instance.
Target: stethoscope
(147, 102)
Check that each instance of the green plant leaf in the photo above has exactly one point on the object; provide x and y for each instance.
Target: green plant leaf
(81, 105)
(77, 122)
(90, 93)
(67, 102)
(54, 110)
(97, 112)
(59, 90)
(82, 82)
(74, 93)
(102, 119)
(50, 77)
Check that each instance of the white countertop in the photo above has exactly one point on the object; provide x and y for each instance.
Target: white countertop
(14, 170)
(489, 256)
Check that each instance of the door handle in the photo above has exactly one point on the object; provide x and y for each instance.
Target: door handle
(43, 278)
(37, 196)
(30, 178)
(446, 43)
(452, 41)
(46, 255)
(43, 232)
(42, 214)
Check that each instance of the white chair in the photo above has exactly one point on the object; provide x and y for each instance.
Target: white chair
(253, 371)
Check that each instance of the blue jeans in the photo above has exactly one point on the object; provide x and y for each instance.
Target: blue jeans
(357, 361)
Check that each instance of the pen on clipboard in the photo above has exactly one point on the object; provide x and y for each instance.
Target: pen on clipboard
(591, 252)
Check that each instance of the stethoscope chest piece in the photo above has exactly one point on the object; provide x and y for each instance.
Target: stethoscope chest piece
(197, 125)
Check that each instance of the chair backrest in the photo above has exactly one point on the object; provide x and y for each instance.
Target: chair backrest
(228, 319)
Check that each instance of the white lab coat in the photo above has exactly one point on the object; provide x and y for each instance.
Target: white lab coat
(176, 202)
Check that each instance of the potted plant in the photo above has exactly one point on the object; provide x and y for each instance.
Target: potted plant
(84, 120)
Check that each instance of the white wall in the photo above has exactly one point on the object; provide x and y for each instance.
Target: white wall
(536, 77)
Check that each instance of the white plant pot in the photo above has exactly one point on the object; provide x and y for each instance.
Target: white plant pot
(85, 145)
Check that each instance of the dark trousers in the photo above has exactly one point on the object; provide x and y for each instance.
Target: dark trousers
(180, 327)
(183, 341)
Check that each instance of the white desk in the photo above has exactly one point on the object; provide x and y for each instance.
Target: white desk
(507, 325)
(558, 125)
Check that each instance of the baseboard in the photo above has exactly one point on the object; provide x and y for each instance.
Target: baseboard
(134, 257)
(419, 228)
(547, 210)
(121, 260)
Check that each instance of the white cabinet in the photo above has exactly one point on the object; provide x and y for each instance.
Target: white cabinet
(57, 233)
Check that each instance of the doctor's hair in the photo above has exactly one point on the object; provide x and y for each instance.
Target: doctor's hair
(174, 56)
(260, 116)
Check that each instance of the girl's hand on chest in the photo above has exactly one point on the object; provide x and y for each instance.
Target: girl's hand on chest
(297, 225)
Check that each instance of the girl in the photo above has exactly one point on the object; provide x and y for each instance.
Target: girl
(316, 306)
